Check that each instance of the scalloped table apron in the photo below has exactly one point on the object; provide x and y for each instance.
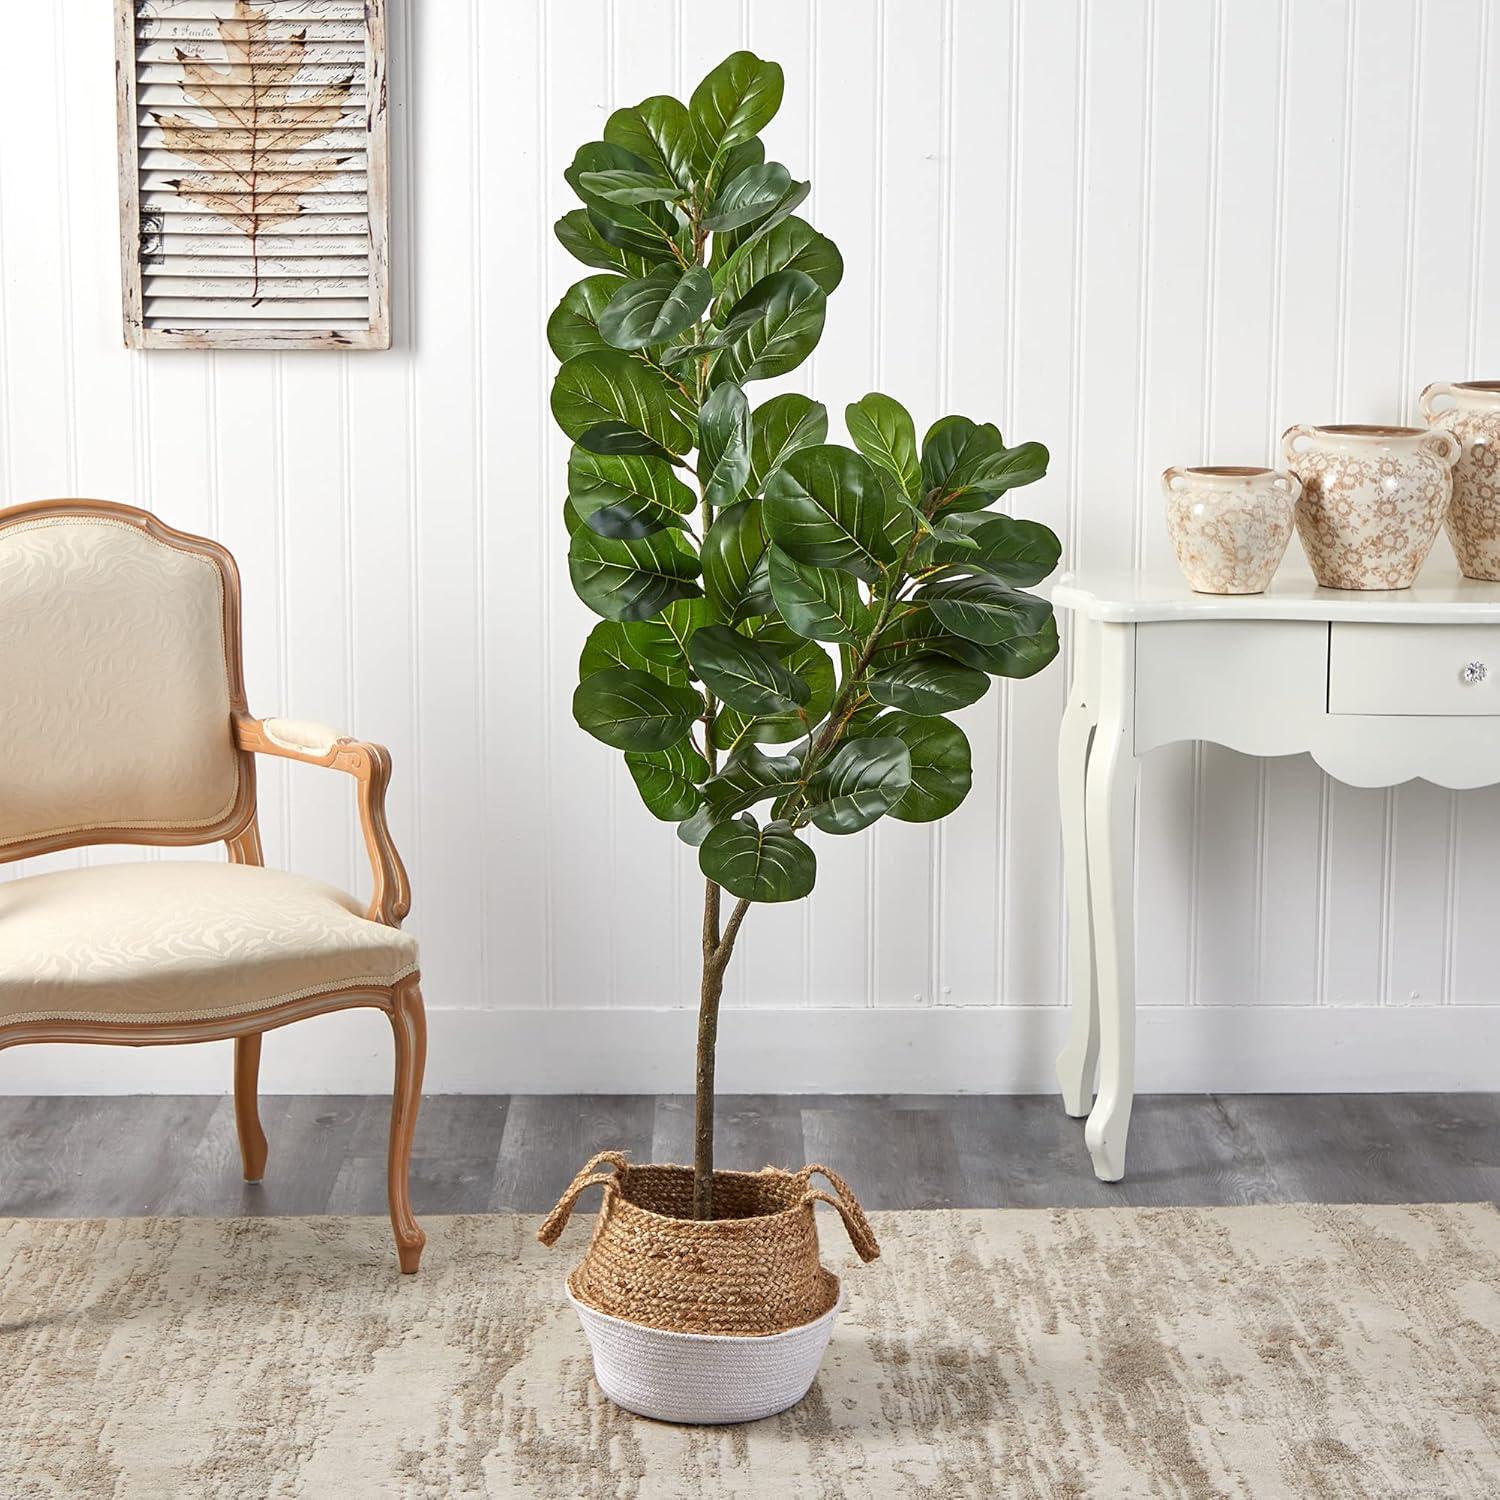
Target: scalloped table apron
(1378, 688)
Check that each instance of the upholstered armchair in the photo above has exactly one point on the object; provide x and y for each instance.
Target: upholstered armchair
(123, 720)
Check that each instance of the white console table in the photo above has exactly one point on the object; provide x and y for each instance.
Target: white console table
(1378, 687)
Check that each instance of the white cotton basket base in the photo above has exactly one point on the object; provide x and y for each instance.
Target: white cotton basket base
(703, 1377)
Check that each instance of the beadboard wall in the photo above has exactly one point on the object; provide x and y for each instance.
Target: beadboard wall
(1143, 232)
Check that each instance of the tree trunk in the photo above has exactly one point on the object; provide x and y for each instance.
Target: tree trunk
(703, 1113)
(716, 954)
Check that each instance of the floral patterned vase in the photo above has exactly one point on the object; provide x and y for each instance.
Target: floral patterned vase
(1474, 515)
(1373, 500)
(1230, 526)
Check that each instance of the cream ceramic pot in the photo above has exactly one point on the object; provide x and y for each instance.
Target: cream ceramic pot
(1474, 516)
(1229, 526)
(1373, 500)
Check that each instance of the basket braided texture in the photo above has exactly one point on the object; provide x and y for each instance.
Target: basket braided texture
(753, 1269)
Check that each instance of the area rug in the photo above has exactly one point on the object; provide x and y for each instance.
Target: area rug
(1270, 1351)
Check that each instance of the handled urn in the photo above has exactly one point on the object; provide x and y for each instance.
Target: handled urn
(1474, 515)
(1373, 500)
(1230, 526)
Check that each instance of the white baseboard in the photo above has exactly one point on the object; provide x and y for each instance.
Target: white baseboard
(1260, 1049)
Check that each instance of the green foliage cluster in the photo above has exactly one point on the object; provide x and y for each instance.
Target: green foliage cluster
(784, 620)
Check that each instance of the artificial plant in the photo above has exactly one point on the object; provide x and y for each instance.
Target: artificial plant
(760, 586)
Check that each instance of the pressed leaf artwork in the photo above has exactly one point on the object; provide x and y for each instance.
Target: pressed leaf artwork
(257, 185)
(253, 140)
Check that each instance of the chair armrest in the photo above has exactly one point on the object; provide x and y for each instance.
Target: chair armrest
(370, 765)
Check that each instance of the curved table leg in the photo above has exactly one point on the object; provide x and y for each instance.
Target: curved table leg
(1079, 1057)
(1110, 832)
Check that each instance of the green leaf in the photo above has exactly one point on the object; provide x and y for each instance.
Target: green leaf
(573, 327)
(635, 710)
(705, 343)
(620, 437)
(749, 153)
(819, 603)
(631, 579)
(654, 243)
(619, 185)
(824, 506)
(724, 445)
(578, 235)
(749, 196)
(734, 561)
(952, 442)
(811, 663)
(733, 103)
(883, 431)
(641, 645)
(647, 229)
(1021, 655)
(784, 425)
(904, 519)
(729, 243)
(941, 766)
(926, 685)
(682, 617)
(656, 308)
(624, 495)
(1007, 469)
(744, 673)
(968, 464)
(667, 780)
(784, 244)
(1015, 551)
(782, 320)
(659, 132)
(750, 776)
(954, 536)
(983, 610)
(609, 386)
(912, 631)
(758, 864)
(695, 829)
(865, 779)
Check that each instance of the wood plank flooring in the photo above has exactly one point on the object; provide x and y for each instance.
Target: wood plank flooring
(176, 1154)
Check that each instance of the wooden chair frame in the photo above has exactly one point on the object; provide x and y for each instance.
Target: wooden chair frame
(370, 766)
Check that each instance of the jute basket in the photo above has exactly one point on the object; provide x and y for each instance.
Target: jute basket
(751, 1270)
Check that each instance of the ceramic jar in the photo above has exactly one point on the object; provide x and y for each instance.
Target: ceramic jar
(1474, 515)
(1230, 526)
(1373, 500)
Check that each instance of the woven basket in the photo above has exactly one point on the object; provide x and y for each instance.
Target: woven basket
(752, 1270)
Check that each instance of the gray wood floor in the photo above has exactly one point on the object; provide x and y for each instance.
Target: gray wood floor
(170, 1154)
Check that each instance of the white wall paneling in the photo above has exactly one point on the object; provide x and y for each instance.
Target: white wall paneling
(1144, 232)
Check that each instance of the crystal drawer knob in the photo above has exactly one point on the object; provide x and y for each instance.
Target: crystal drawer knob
(1475, 672)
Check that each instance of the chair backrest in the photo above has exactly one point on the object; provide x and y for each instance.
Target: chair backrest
(119, 670)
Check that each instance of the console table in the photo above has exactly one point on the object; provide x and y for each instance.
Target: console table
(1378, 687)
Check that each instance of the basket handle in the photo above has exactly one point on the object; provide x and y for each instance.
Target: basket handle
(555, 1222)
(861, 1236)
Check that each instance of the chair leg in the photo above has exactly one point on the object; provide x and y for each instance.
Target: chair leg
(409, 1023)
(247, 1108)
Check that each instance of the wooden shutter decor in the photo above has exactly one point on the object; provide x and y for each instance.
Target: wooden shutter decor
(254, 201)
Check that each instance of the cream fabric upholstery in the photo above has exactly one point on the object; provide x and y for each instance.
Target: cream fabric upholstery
(176, 940)
(302, 735)
(114, 690)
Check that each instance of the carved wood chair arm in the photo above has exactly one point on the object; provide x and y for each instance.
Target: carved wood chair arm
(370, 765)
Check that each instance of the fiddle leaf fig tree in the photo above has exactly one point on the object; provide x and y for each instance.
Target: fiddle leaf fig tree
(785, 622)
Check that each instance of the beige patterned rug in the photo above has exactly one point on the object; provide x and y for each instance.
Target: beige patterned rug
(1258, 1352)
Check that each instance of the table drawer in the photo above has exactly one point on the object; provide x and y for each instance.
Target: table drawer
(1414, 669)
